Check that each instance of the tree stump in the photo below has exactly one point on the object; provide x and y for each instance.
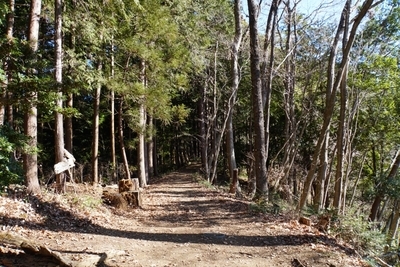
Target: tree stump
(128, 194)
(125, 185)
(133, 198)
(234, 183)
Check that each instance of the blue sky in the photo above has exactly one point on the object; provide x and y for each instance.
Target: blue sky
(327, 9)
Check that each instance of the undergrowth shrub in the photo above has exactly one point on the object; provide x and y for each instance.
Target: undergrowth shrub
(86, 202)
(11, 171)
(264, 206)
(260, 206)
(360, 233)
(199, 179)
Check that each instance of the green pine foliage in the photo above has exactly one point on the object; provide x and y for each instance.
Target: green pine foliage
(11, 144)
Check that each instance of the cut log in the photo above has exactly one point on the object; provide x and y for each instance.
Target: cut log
(304, 220)
(31, 247)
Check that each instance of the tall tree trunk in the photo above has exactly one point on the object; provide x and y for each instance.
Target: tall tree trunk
(96, 126)
(112, 117)
(59, 130)
(350, 134)
(288, 95)
(69, 132)
(8, 71)
(216, 130)
(321, 181)
(155, 159)
(113, 136)
(322, 173)
(357, 179)
(10, 108)
(267, 71)
(235, 72)
(331, 101)
(337, 199)
(268, 53)
(202, 102)
(260, 153)
(30, 120)
(213, 160)
(69, 103)
(150, 147)
(121, 141)
(141, 131)
(6, 66)
(141, 147)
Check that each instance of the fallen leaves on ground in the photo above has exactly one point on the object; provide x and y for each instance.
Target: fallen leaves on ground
(182, 223)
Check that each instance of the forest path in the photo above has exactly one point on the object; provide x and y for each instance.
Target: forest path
(182, 223)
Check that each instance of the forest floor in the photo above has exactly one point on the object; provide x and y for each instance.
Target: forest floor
(181, 223)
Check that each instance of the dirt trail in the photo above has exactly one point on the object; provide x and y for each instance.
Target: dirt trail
(182, 223)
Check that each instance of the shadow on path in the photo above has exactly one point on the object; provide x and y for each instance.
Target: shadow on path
(61, 220)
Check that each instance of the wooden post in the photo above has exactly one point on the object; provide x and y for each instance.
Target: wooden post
(234, 181)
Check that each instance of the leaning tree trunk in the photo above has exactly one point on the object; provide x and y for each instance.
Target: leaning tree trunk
(350, 134)
(121, 140)
(59, 129)
(321, 180)
(30, 120)
(260, 153)
(328, 113)
(337, 199)
(394, 223)
(379, 196)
